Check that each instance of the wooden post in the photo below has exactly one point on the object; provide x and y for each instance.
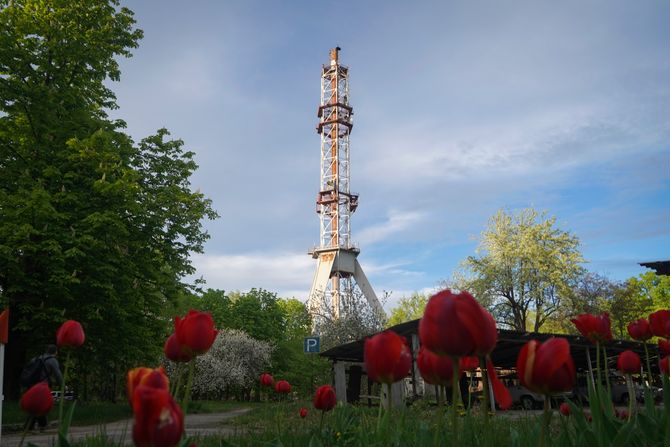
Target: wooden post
(340, 381)
(415, 366)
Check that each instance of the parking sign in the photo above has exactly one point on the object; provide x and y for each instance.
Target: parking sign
(312, 345)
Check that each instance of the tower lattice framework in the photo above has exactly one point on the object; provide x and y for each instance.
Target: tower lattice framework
(338, 269)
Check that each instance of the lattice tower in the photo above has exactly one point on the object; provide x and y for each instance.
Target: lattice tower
(337, 266)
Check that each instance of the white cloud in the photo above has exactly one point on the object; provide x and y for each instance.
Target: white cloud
(288, 274)
(396, 222)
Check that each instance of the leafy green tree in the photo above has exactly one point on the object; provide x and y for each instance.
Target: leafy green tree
(525, 266)
(408, 309)
(636, 298)
(92, 227)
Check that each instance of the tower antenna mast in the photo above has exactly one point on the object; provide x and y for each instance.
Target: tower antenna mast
(337, 263)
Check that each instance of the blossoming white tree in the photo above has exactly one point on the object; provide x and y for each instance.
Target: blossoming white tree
(233, 364)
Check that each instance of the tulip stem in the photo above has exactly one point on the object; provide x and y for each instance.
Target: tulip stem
(471, 379)
(323, 413)
(546, 419)
(454, 397)
(631, 395)
(646, 353)
(189, 384)
(177, 385)
(381, 403)
(598, 387)
(61, 425)
(29, 423)
(607, 377)
(485, 387)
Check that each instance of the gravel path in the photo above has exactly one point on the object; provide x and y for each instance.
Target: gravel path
(120, 431)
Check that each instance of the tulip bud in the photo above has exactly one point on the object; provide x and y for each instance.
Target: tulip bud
(640, 330)
(159, 422)
(267, 380)
(176, 352)
(597, 328)
(660, 323)
(546, 368)
(195, 331)
(37, 401)
(71, 333)
(629, 362)
(457, 325)
(387, 357)
(324, 398)
(435, 369)
(565, 409)
(283, 387)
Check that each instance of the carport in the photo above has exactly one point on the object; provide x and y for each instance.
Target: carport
(349, 369)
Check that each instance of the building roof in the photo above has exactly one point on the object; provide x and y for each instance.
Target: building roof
(509, 344)
(661, 267)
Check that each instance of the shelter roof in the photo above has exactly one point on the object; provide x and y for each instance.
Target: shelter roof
(661, 267)
(509, 344)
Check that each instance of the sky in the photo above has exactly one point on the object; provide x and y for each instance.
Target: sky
(461, 108)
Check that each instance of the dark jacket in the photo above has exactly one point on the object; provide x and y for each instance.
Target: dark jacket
(51, 372)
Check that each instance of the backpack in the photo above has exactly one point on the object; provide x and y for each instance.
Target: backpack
(33, 372)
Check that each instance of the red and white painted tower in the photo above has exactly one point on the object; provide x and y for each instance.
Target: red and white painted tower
(338, 266)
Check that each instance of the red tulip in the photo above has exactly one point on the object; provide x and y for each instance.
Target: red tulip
(176, 352)
(640, 330)
(195, 331)
(267, 380)
(664, 346)
(664, 364)
(159, 422)
(70, 334)
(469, 364)
(435, 369)
(546, 368)
(37, 401)
(303, 412)
(324, 398)
(565, 409)
(283, 387)
(457, 325)
(154, 378)
(596, 328)
(387, 357)
(629, 362)
(660, 323)
(621, 414)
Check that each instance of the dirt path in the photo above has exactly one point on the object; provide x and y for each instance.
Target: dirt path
(121, 431)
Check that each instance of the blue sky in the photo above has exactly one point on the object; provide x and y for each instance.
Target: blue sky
(461, 108)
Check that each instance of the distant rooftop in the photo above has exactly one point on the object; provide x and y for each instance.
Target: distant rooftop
(661, 267)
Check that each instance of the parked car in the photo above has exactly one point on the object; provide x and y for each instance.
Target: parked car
(525, 398)
(620, 394)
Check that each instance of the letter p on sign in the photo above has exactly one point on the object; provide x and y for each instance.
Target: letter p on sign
(312, 345)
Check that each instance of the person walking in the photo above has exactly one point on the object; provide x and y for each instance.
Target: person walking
(44, 368)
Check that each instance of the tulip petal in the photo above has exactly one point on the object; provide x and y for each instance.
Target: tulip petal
(500, 391)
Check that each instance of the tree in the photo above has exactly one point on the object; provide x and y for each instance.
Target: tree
(92, 227)
(355, 319)
(231, 366)
(525, 265)
(409, 308)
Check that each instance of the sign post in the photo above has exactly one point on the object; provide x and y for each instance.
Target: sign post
(312, 345)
